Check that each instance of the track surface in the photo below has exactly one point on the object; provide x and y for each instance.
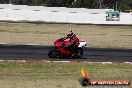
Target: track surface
(37, 52)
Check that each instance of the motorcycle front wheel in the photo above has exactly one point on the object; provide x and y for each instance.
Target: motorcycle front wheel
(78, 53)
(53, 53)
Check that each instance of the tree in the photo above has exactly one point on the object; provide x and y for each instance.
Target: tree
(59, 3)
(111, 4)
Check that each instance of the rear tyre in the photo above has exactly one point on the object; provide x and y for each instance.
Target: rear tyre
(54, 53)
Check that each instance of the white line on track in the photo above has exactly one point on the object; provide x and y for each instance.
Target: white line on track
(101, 62)
(128, 62)
(64, 61)
(18, 44)
(57, 61)
(3, 43)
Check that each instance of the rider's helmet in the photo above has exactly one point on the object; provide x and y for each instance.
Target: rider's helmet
(70, 34)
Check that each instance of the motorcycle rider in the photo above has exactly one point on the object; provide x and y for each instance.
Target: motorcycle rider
(72, 38)
(73, 41)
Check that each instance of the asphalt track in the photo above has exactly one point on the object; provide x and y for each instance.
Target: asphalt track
(38, 52)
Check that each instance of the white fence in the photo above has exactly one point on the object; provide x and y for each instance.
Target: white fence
(57, 14)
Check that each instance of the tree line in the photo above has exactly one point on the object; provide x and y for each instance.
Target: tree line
(92, 4)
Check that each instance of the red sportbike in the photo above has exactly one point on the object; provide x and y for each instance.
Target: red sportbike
(60, 50)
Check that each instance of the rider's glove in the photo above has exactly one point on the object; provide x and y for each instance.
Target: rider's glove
(67, 45)
(63, 45)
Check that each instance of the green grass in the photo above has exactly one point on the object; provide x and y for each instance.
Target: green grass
(39, 74)
(45, 34)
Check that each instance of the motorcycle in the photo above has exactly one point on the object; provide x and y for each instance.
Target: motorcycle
(60, 50)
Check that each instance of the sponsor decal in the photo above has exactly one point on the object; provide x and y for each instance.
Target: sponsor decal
(85, 81)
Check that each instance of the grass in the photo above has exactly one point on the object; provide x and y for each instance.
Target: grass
(45, 34)
(39, 74)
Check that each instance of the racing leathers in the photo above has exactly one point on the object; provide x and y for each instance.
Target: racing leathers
(72, 44)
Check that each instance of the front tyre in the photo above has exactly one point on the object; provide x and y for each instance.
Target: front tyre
(78, 53)
(53, 53)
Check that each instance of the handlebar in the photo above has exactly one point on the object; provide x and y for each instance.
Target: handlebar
(61, 40)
